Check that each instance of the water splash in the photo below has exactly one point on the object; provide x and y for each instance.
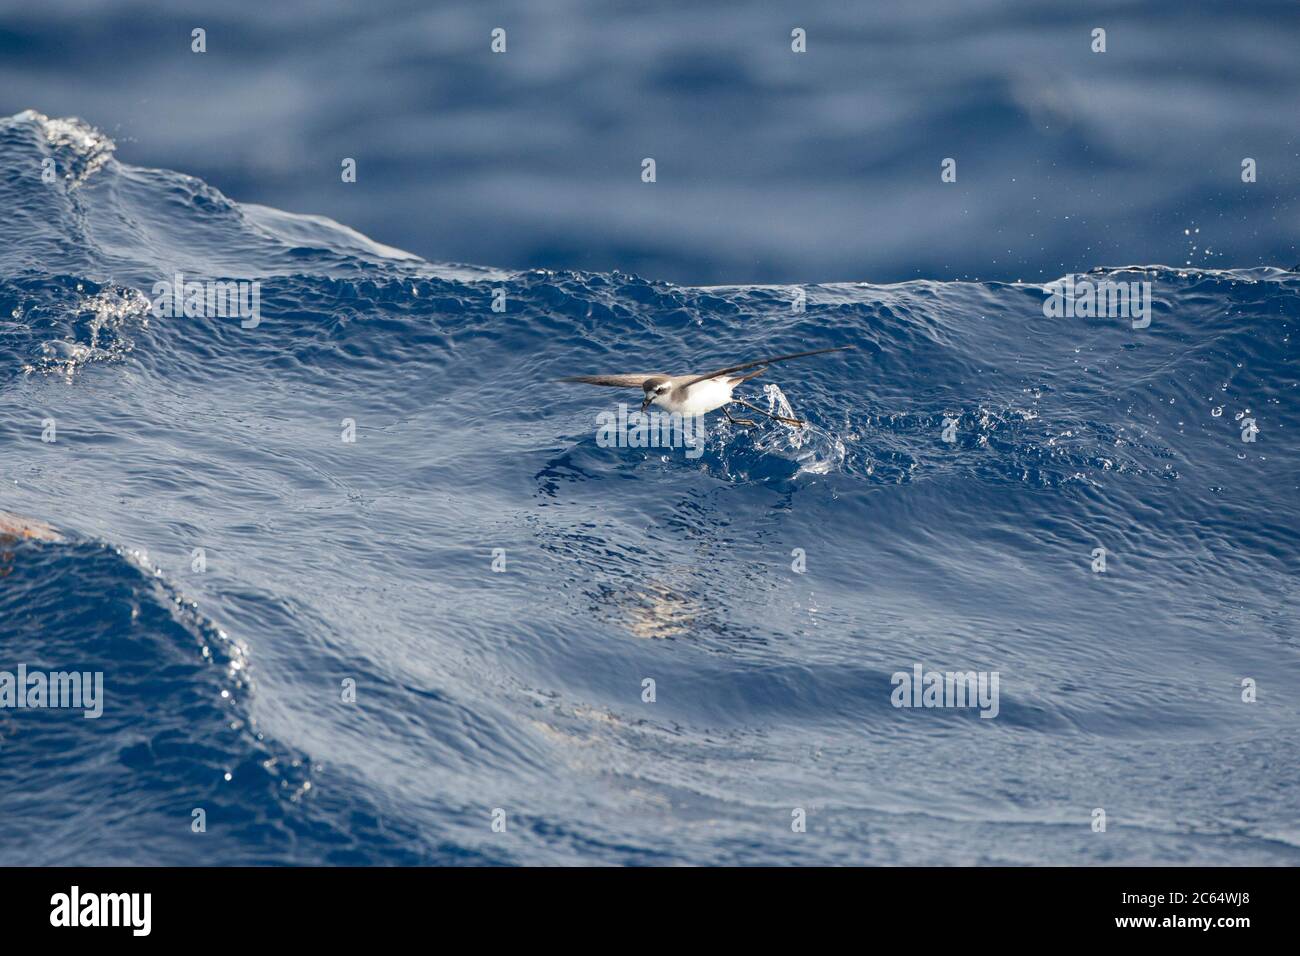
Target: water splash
(100, 332)
(818, 451)
(79, 150)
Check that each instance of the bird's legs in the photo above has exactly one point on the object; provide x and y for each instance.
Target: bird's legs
(778, 418)
(737, 421)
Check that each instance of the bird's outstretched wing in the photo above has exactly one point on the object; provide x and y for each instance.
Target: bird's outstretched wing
(617, 381)
(765, 361)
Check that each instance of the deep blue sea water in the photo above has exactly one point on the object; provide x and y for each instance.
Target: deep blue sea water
(371, 561)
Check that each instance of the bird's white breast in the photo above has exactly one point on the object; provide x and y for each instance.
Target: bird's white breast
(701, 397)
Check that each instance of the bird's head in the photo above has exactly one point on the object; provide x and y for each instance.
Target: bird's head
(655, 386)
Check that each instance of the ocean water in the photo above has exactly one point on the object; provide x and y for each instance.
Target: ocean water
(368, 565)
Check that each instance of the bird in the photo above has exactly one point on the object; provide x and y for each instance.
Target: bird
(699, 394)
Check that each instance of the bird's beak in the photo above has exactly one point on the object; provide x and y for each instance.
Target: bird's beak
(646, 403)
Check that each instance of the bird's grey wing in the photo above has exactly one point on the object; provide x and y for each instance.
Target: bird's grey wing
(617, 381)
(765, 361)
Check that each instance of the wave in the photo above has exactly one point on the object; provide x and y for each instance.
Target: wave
(959, 468)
